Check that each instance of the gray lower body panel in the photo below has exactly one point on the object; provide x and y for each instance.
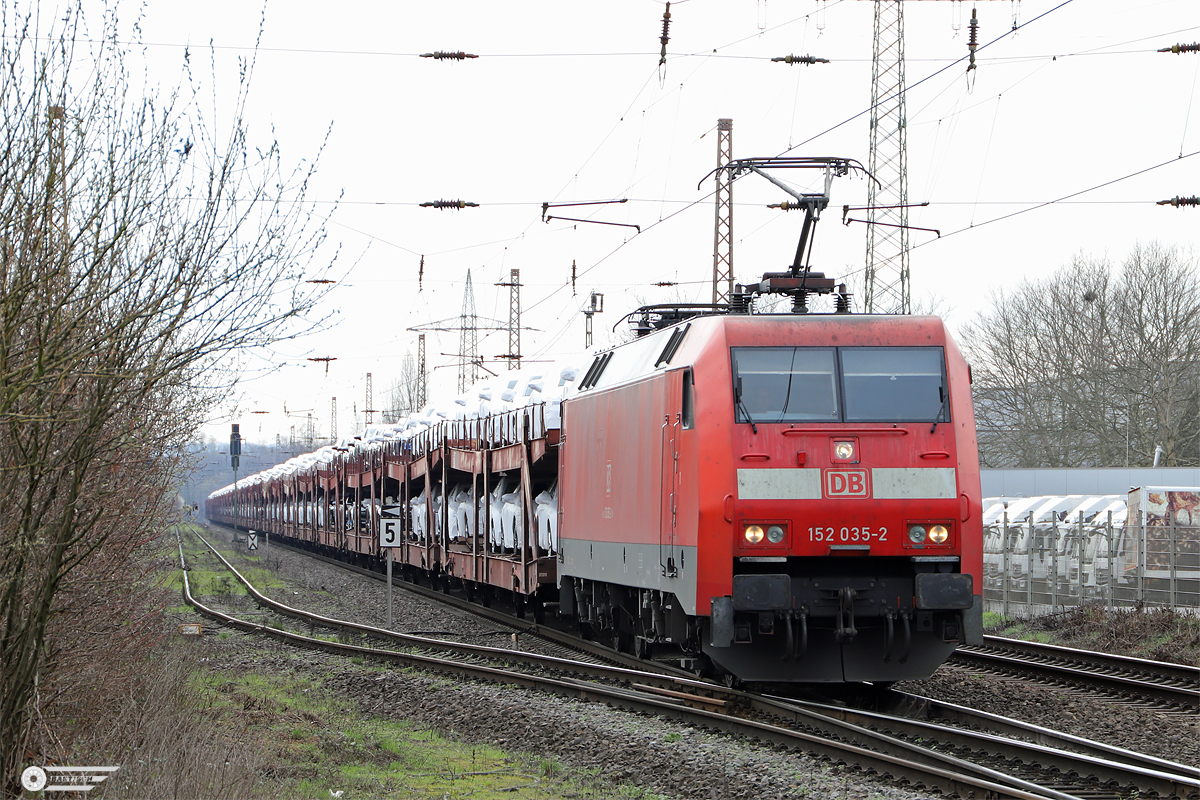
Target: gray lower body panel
(667, 568)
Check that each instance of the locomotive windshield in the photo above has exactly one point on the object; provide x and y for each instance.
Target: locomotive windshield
(843, 384)
(785, 384)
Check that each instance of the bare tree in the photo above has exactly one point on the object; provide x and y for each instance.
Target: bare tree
(1157, 310)
(405, 391)
(1090, 366)
(139, 248)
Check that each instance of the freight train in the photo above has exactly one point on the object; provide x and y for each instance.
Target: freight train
(781, 498)
(772, 498)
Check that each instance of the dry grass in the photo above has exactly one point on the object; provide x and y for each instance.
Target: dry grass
(116, 691)
(1158, 633)
(168, 744)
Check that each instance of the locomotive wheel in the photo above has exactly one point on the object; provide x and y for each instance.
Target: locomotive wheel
(641, 647)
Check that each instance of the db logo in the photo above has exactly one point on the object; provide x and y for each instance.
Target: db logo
(847, 483)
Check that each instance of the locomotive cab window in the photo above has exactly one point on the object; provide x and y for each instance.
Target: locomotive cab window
(846, 384)
(688, 402)
(784, 384)
(895, 384)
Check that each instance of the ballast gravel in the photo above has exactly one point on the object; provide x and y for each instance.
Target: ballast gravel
(667, 758)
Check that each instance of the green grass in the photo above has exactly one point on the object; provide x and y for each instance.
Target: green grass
(311, 741)
(208, 577)
(993, 620)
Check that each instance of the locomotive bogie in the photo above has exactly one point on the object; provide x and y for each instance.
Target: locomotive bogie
(635, 620)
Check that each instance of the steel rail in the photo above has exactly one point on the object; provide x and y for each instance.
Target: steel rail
(931, 709)
(917, 765)
(1182, 674)
(1056, 667)
(499, 617)
(1066, 753)
(606, 671)
(1102, 762)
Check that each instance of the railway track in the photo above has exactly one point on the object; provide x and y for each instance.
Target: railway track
(566, 642)
(1040, 755)
(1170, 686)
(895, 745)
(479, 653)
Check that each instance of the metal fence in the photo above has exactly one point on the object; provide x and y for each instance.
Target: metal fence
(1035, 567)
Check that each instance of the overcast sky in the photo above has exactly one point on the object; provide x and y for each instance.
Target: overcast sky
(567, 102)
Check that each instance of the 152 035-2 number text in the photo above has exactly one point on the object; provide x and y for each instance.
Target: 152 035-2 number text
(847, 534)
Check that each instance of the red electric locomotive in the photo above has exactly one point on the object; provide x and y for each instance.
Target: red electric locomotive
(795, 496)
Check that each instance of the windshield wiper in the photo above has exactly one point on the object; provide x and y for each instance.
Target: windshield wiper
(945, 399)
(737, 396)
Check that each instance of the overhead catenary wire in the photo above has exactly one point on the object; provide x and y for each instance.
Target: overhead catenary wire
(910, 87)
(1191, 96)
(812, 138)
(986, 152)
(663, 200)
(1003, 217)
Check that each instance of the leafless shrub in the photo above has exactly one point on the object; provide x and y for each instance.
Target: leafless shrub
(143, 715)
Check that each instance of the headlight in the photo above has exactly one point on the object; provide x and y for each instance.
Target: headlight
(938, 534)
(916, 534)
(775, 534)
(843, 451)
(754, 534)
